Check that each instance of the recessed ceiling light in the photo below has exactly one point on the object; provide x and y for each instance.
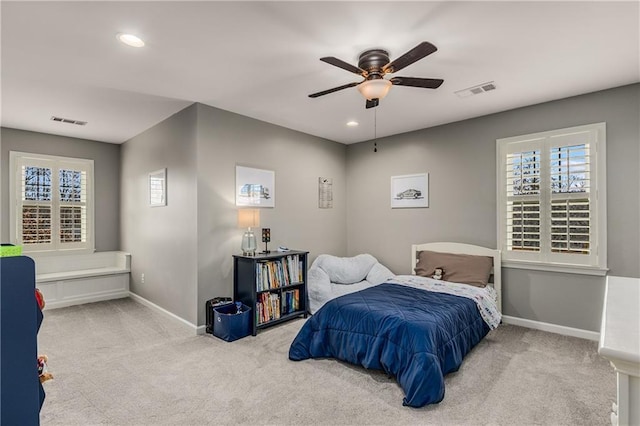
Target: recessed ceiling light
(352, 123)
(130, 40)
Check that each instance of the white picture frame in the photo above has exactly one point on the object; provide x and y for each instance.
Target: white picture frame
(410, 191)
(158, 188)
(255, 187)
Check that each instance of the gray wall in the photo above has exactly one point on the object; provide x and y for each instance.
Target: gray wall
(106, 158)
(185, 249)
(461, 161)
(226, 139)
(163, 240)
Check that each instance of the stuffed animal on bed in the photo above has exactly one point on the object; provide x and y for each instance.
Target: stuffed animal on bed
(438, 274)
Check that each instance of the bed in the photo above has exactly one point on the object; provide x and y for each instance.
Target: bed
(415, 328)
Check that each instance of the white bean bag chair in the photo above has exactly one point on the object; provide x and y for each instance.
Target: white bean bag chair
(330, 277)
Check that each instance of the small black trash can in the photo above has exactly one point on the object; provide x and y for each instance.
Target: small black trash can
(208, 308)
(230, 325)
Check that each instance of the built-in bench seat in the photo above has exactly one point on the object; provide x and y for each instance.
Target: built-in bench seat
(74, 279)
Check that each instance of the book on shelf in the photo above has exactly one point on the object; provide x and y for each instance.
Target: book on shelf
(271, 306)
(268, 308)
(279, 273)
(291, 301)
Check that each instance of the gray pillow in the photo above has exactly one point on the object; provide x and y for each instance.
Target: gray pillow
(458, 268)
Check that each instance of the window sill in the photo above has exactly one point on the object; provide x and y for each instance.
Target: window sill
(62, 252)
(556, 267)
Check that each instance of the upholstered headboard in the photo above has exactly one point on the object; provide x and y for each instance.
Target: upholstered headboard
(459, 248)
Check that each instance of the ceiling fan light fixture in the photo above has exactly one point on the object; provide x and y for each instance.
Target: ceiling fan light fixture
(130, 40)
(375, 89)
(373, 64)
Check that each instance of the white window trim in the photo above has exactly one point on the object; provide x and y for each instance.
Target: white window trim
(555, 267)
(15, 158)
(599, 197)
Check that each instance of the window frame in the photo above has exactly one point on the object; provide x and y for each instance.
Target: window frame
(545, 260)
(55, 163)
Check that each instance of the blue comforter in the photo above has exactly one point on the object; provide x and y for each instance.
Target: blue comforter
(415, 335)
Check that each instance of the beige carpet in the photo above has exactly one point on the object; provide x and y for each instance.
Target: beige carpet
(121, 363)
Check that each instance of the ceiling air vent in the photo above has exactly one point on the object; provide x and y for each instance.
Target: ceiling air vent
(67, 120)
(476, 90)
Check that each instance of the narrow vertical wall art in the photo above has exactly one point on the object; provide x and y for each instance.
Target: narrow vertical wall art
(325, 193)
(158, 188)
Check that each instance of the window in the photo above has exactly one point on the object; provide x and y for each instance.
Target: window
(52, 202)
(551, 199)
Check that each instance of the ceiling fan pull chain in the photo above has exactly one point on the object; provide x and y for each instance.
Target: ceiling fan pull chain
(375, 130)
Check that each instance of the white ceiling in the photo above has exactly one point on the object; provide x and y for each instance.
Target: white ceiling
(261, 59)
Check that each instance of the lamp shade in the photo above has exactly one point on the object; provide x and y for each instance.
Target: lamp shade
(248, 218)
(375, 89)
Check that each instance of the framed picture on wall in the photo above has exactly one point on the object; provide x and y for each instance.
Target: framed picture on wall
(158, 188)
(325, 193)
(410, 191)
(255, 187)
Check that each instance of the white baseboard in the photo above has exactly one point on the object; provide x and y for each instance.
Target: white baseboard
(80, 300)
(552, 328)
(163, 311)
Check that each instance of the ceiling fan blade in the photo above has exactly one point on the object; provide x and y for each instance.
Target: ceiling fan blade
(372, 103)
(420, 51)
(345, 66)
(335, 89)
(427, 83)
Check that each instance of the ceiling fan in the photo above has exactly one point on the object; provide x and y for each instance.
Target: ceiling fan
(374, 64)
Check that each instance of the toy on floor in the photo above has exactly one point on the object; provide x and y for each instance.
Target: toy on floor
(40, 299)
(43, 369)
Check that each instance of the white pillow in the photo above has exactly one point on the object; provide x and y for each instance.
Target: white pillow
(346, 270)
(379, 274)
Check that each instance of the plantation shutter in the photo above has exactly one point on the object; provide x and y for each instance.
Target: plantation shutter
(549, 208)
(53, 208)
(35, 202)
(72, 196)
(572, 215)
(522, 188)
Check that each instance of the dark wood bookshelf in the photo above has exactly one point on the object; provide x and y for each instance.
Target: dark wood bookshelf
(281, 288)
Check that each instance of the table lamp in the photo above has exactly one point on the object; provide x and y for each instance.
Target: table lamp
(248, 218)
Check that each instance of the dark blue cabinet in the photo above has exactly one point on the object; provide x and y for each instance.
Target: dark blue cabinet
(21, 394)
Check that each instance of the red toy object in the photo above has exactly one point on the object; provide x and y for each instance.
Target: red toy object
(40, 299)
